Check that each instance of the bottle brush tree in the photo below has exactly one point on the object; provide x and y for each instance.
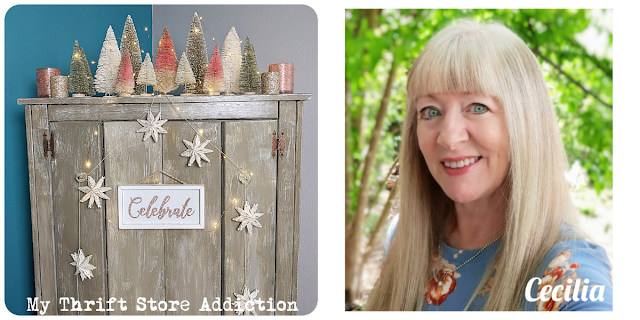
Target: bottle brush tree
(108, 64)
(231, 60)
(130, 42)
(185, 74)
(197, 55)
(147, 75)
(249, 74)
(166, 64)
(125, 83)
(80, 78)
(214, 78)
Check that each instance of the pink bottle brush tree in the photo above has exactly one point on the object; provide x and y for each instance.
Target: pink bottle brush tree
(125, 84)
(166, 64)
(214, 78)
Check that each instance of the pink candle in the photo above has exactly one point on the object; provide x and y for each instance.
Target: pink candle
(286, 76)
(42, 76)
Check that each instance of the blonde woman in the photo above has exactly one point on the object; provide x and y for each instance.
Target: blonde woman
(485, 220)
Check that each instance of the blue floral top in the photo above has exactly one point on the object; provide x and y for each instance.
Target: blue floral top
(568, 265)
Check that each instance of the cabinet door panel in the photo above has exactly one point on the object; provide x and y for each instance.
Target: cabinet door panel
(249, 259)
(135, 257)
(76, 225)
(193, 257)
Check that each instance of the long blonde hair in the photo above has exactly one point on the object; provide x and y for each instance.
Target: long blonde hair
(491, 60)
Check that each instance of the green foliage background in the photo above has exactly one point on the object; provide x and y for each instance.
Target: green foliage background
(580, 81)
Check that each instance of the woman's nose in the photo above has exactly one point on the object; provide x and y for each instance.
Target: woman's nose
(453, 131)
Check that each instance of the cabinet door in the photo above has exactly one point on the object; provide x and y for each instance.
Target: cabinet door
(249, 259)
(135, 258)
(78, 147)
(164, 264)
(193, 257)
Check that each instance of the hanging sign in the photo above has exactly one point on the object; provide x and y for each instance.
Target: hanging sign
(161, 207)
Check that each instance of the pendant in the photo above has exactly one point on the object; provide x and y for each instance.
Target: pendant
(441, 282)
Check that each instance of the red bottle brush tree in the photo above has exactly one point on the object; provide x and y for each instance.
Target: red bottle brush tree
(166, 64)
(214, 78)
(125, 83)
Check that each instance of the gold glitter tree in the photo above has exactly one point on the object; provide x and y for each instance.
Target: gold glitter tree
(130, 42)
(249, 74)
(80, 78)
(197, 55)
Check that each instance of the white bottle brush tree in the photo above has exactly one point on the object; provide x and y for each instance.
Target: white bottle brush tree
(184, 76)
(231, 60)
(80, 78)
(107, 72)
(147, 75)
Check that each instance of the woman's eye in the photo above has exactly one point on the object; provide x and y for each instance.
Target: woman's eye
(430, 113)
(479, 108)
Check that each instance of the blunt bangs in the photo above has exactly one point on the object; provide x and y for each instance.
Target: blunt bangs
(466, 59)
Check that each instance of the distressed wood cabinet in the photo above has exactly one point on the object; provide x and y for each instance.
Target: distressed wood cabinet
(97, 135)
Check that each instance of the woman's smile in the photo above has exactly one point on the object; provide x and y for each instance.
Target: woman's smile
(455, 167)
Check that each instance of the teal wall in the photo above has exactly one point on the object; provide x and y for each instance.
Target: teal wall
(40, 37)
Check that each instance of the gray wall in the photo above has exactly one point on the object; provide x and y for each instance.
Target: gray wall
(287, 33)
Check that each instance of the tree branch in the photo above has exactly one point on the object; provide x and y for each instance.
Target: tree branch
(570, 78)
(352, 246)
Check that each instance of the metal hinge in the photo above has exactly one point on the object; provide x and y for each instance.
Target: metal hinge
(278, 144)
(48, 145)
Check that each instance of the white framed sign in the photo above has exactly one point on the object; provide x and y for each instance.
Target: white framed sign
(174, 206)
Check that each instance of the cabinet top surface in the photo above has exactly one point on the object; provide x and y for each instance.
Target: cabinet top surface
(160, 99)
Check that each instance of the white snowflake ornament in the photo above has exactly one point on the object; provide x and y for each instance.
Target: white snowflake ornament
(248, 217)
(94, 191)
(196, 151)
(152, 126)
(245, 303)
(83, 267)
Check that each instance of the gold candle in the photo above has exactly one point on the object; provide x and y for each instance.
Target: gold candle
(270, 82)
(59, 87)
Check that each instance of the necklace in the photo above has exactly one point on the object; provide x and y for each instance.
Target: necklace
(444, 274)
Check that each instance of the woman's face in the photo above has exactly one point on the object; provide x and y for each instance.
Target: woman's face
(464, 140)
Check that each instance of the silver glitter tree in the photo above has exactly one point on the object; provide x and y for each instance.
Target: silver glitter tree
(130, 42)
(197, 55)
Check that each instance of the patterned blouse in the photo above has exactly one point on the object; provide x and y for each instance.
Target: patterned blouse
(569, 264)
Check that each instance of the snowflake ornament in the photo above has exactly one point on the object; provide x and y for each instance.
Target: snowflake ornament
(246, 303)
(152, 126)
(83, 267)
(248, 217)
(94, 191)
(196, 151)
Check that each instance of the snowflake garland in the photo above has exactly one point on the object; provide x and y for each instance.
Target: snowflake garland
(248, 217)
(152, 126)
(245, 303)
(83, 267)
(94, 191)
(196, 151)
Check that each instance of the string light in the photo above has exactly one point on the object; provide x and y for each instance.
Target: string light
(95, 133)
(88, 164)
